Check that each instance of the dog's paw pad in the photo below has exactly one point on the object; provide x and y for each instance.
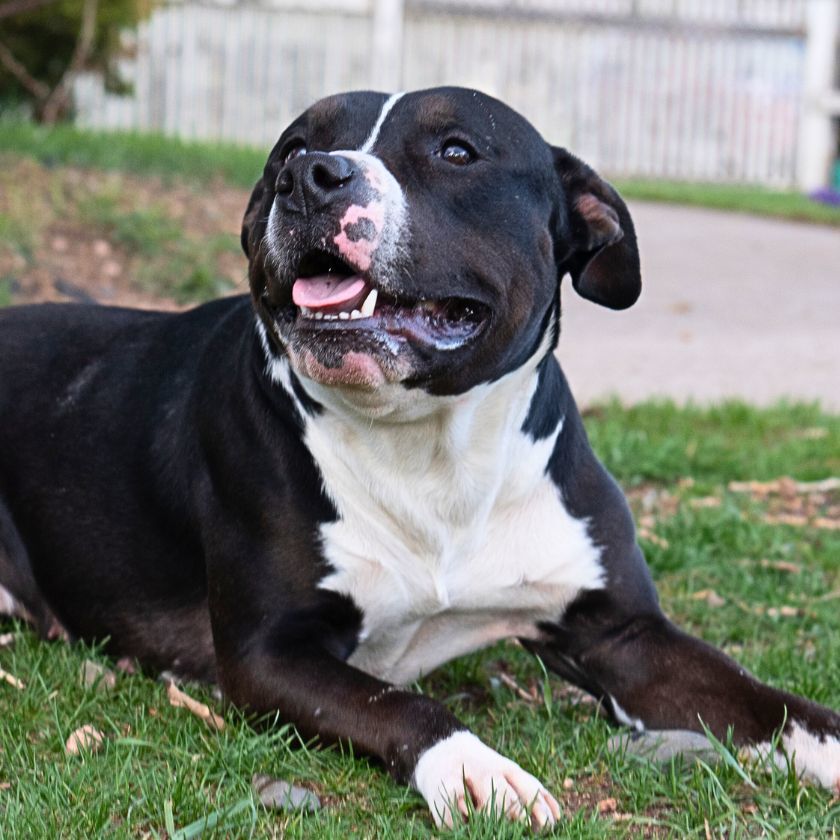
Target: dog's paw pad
(460, 774)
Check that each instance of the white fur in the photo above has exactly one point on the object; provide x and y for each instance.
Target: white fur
(8, 604)
(622, 717)
(461, 767)
(813, 758)
(276, 367)
(449, 535)
(377, 126)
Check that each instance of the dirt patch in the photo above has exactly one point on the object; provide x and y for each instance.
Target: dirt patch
(73, 234)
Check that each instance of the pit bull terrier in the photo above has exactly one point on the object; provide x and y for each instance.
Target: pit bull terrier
(371, 465)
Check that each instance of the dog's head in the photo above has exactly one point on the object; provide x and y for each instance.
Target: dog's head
(419, 239)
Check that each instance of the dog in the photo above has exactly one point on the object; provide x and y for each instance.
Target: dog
(370, 465)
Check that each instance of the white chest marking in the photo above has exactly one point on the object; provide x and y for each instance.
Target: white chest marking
(450, 535)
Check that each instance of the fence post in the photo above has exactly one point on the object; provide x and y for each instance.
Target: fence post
(817, 131)
(386, 63)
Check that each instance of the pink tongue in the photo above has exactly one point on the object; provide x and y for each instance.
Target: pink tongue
(326, 290)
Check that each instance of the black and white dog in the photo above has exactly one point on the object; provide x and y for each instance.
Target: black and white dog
(371, 466)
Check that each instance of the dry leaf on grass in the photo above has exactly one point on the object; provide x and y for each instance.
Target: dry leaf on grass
(180, 700)
(647, 534)
(784, 612)
(607, 806)
(705, 502)
(127, 665)
(7, 639)
(510, 682)
(86, 737)
(709, 596)
(781, 566)
(94, 674)
(784, 485)
(798, 520)
(11, 679)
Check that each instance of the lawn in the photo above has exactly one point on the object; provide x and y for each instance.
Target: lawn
(239, 166)
(748, 561)
(727, 567)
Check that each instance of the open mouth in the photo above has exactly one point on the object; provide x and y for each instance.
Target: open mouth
(330, 294)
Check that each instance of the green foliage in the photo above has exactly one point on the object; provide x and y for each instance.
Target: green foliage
(142, 231)
(175, 265)
(139, 154)
(43, 41)
(15, 233)
(739, 198)
(239, 166)
(659, 441)
(5, 291)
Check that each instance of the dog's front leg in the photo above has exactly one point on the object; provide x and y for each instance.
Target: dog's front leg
(418, 739)
(651, 675)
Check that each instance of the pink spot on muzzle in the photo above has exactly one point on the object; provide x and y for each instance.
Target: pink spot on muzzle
(359, 252)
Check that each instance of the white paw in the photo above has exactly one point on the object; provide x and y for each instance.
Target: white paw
(461, 767)
(815, 757)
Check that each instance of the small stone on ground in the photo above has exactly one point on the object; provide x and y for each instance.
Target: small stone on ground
(660, 746)
(94, 674)
(284, 796)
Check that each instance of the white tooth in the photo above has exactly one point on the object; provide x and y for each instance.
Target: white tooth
(355, 314)
(369, 305)
(344, 315)
(319, 315)
(328, 317)
(304, 310)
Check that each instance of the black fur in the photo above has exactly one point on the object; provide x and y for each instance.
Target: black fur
(156, 489)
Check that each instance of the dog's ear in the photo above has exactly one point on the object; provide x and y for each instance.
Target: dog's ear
(251, 215)
(602, 256)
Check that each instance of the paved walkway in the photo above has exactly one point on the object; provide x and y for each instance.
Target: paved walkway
(731, 306)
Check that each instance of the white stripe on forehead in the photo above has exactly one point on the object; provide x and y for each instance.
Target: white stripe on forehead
(377, 126)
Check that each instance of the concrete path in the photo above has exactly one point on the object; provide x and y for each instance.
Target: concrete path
(732, 306)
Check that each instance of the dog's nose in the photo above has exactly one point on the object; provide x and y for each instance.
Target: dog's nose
(311, 181)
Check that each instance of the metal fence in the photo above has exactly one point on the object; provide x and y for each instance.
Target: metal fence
(684, 89)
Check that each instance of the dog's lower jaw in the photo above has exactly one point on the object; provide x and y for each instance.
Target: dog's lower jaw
(461, 768)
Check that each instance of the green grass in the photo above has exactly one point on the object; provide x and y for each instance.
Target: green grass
(786, 204)
(143, 154)
(658, 441)
(162, 770)
(5, 291)
(160, 247)
(175, 264)
(150, 154)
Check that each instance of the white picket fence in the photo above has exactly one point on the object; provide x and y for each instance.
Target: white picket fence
(685, 89)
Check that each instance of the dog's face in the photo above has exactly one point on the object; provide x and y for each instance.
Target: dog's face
(419, 240)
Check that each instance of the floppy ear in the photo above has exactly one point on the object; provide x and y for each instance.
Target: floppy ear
(602, 256)
(251, 215)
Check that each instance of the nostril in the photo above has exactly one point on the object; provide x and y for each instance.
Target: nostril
(285, 182)
(328, 176)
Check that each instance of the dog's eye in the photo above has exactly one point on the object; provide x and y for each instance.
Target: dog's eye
(457, 153)
(294, 151)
